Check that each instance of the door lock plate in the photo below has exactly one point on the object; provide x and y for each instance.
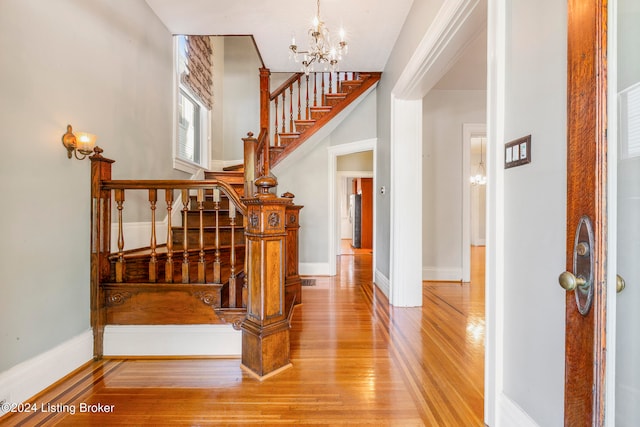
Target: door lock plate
(583, 264)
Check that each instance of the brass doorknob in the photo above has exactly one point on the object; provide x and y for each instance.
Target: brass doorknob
(569, 282)
(620, 284)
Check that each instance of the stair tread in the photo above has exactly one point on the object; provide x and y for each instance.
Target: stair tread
(161, 250)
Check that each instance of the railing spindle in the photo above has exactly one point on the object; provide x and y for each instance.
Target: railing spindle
(338, 83)
(315, 89)
(275, 137)
(284, 103)
(299, 103)
(185, 243)
(330, 82)
(216, 262)
(168, 269)
(119, 196)
(201, 260)
(291, 108)
(232, 260)
(153, 262)
(322, 100)
(306, 110)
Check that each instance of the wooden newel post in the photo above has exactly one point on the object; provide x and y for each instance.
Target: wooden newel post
(100, 244)
(265, 331)
(293, 282)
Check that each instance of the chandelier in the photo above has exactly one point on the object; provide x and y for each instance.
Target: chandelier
(480, 177)
(320, 50)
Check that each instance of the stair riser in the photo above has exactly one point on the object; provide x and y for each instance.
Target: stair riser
(209, 219)
(193, 237)
(137, 270)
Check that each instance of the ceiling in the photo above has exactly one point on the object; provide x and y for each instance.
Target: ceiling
(371, 26)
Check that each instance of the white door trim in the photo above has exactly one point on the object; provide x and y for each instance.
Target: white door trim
(405, 272)
(494, 308)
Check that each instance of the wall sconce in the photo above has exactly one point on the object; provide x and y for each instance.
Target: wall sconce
(81, 142)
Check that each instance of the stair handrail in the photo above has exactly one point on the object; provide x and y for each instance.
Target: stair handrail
(284, 86)
(185, 184)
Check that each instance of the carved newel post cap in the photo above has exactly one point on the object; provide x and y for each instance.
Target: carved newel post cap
(288, 195)
(98, 151)
(264, 184)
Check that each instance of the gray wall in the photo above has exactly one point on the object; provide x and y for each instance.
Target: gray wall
(416, 25)
(534, 215)
(308, 179)
(241, 99)
(104, 66)
(443, 114)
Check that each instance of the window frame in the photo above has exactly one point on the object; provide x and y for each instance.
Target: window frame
(204, 119)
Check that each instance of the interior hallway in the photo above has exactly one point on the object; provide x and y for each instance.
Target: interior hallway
(355, 361)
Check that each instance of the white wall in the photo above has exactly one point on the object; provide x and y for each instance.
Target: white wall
(416, 25)
(534, 209)
(104, 66)
(443, 114)
(241, 101)
(217, 111)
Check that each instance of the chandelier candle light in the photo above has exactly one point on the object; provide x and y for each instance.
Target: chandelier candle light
(320, 48)
(480, 177)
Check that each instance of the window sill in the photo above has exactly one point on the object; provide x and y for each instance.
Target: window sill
(187, 166)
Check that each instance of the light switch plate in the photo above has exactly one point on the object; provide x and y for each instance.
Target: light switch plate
(517, 152)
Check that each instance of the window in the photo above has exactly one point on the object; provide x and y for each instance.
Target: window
(194, 102)
(189, 128)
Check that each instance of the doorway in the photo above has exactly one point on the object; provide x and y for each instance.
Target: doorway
(348, 162)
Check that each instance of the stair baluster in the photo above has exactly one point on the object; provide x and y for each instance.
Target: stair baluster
(153, 261)
(232, 260)
(315, 89)
(275, 136)
(322, 101)
(202, 265)
(290, 108)
(299, 103)
(119, 198)
(168, 266)
(216, 262)
(284, 103)
(306, 110)
(185, 240)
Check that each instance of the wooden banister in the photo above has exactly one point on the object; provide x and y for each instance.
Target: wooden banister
(285, 86)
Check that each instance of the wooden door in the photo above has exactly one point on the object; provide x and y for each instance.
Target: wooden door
(586, 203)
(366, 185)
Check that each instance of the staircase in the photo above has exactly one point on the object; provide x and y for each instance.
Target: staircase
(196, 275)
(301, 106)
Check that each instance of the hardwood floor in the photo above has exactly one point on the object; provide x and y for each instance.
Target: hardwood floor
(356, 361)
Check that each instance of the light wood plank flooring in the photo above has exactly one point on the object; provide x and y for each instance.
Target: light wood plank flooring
(356, 361)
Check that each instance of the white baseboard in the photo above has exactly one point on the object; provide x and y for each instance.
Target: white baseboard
(314, 269)
(172, 340)
(510, 414)
(30, 377)
(382, 282)
(442, 274)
